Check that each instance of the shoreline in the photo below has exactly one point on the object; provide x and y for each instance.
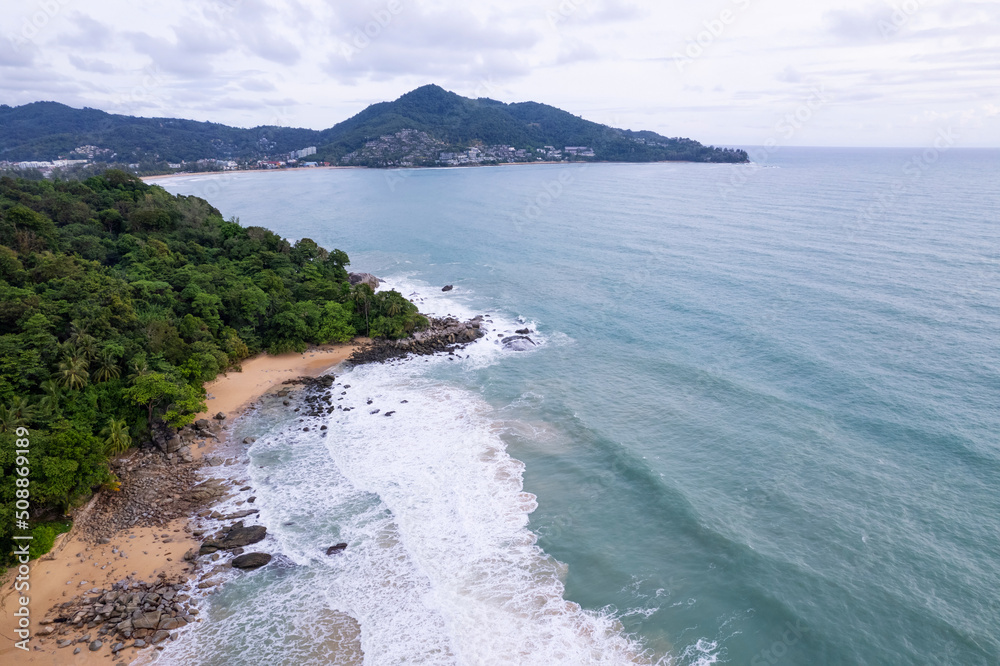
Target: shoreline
(468, 166)
(79, 562)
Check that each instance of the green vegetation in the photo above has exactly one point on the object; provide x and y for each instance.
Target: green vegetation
(461, 122)
(44, 537)
(47, 130)
(118, 301)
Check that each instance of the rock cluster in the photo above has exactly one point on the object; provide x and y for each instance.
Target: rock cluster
(153, 492)
(317, 396)
(177, 445)
(442, 335)
(130, 614)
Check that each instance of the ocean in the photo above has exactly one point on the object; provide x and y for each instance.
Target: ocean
(761, 423)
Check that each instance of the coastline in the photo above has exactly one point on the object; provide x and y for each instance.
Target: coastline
(79, 563)
(467, 166)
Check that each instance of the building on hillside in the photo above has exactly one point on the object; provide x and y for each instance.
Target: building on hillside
(305, 152)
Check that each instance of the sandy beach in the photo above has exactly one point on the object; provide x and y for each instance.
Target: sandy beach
(78, 564)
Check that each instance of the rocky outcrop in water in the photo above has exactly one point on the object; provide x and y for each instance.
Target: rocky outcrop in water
(364, 278)
(251, 560)
(236, 537)
(442, 335)
(518, 343)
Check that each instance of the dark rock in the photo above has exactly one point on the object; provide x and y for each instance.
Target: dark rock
(448, 287)
(220, 416)
(237, 536)
(160, 636)
(518, 343)
(251, 560)
(389, 413)
(339, 548)
(95, 646)
(524, 331)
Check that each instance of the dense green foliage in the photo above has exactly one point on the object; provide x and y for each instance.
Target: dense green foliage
(46, 130)
(460, 121)
(119, 300)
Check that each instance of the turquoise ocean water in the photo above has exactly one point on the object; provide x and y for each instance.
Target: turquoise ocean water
(761, 425)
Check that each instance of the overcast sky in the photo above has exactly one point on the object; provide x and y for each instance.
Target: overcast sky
(728, 72)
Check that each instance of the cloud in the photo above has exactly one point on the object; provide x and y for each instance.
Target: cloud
(86, 33)
(17, 52)
(859, 26)
(92, 65)
(454, 46)
(576, 52)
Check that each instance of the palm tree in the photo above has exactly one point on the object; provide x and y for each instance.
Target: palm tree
(15, 416)
(393, 307)
(107, 368)
(50, 402)
(85, 345)
(73, 372)
(117, 439)
(362, 295)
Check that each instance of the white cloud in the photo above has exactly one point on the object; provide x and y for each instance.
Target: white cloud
(892, 70)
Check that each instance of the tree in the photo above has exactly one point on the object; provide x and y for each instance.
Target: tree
(154, 388)
(117, 437)
(19, 413)
(73, 373)
(107, 366)
(335, 324)
(363, 297)
(51, 402)
(149, 390)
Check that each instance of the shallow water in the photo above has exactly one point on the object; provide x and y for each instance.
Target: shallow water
(757, 428)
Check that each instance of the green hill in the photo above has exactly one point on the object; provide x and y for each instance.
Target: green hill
(48, 130)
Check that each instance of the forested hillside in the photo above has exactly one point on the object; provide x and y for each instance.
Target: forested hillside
(118, 301)
(47, 130)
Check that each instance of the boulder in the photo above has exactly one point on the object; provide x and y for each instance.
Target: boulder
(201, 424)
(172, 445)
(169, 623)
(518, 343)
(148, 620)
(364, 278)
(237, 536)
(448, 287)
(339, 548)
(251, 560)
(96, 645)
(221, 416)
(524, 331)
(160, 636)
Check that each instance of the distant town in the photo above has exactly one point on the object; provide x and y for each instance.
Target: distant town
(407, 148)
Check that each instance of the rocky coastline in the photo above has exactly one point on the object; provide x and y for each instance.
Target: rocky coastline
(443, 335)
(163, 489)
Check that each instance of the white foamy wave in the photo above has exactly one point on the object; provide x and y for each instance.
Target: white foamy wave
(458, 303)
(453, 567)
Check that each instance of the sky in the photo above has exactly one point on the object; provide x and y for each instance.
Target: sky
(725, 72)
